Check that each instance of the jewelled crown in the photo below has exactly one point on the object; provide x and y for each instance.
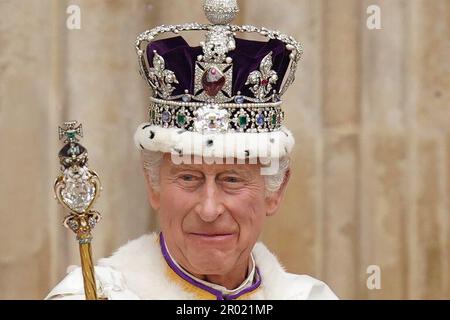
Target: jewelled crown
(226, 84)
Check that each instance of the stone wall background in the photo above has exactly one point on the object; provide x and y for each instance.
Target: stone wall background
(370, 111)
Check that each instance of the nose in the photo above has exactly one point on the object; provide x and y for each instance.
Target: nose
(209, 207)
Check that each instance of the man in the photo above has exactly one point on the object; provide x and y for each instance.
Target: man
(216, 162)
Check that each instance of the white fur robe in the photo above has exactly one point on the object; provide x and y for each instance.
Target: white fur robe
(138, 271)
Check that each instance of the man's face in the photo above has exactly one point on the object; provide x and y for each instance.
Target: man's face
(211, 215)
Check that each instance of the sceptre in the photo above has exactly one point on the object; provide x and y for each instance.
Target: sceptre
(76, 189)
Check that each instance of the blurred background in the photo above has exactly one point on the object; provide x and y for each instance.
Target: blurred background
(370, 111)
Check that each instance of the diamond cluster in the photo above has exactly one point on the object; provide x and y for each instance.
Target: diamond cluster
(220, 11)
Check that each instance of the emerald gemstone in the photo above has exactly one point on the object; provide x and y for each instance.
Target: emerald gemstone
(274, 119)
(243, 121)
(181, 119)
(70, 134)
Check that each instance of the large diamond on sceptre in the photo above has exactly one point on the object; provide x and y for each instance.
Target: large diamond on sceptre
(76, 189)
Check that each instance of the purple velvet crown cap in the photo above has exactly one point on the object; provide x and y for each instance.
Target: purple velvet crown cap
(180, 58)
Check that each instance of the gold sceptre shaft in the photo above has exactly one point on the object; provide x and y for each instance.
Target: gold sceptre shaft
(76, 189)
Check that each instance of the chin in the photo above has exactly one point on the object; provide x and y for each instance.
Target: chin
(211, 263)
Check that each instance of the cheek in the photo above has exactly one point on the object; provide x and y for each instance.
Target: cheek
(248, 209)
(175, 205)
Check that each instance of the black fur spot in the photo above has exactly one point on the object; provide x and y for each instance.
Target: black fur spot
(180, 152)
(152, 134)
(209, 143)
(247, 153)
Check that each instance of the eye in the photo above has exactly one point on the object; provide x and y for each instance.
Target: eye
(232, 182)
(189, 179)
(232, 179)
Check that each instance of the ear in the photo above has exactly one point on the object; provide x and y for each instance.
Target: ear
(274, 200)
(153, 195)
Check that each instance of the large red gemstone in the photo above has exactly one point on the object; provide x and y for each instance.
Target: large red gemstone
(213, 81)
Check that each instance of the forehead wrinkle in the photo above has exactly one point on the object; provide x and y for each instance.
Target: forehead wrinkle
(181, 167)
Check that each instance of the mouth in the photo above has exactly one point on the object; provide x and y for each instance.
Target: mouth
(216, 234)
(213, 237)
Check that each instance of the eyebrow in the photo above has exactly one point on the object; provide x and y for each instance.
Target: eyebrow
(180, 168)
(234, 171)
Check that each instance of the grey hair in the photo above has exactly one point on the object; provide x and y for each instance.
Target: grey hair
(275, 181)
(152, 162)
